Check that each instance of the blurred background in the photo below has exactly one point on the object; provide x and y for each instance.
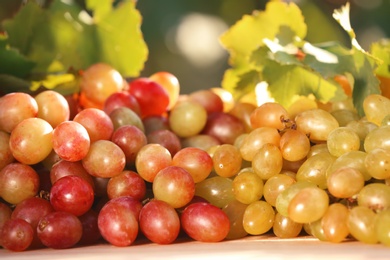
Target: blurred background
(183, 36)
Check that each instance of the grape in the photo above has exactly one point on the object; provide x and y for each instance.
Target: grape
(159, 222)
(205, 222)
(361, 224)
(227, 160)
(99, 81)
(196, 161)
(52, 107)
(276, 185)
(148, 92)
(382, 227)
(294, 145)
(104, 159)
(5, 214)
(344, 116)
(225, 127)
(342, 140)
(118, 221)
(216, 190)
(247, 187)
(130, 139)
(59, 230)
(377, 138)
(375, 196)
(300, 104)
(235, 212)
(171, 85)
(6, 156)
(268, 161)
(284, 227)
(317, 231)
(121, 99)
(377, 163)
(150, 159)
(64, 168)
(91, 233)
(227, 98)
(345, 182)
(16, 235)
(353, 159)
(72, 194)
(71, 141)
(208, 99)
(317, 148)
(166, 138)
(174, 185)
(335, 223)
(201, 141)
(127, 183)
(259, 217)
(14, 108)
(376, 107)
(97, 123)
(31, 140)
(316, 123)
(243, 112)
(153, 123)
(269, 114)
(362, 127)
(125, 116)
(314, 169)
(308, 205)
(18, 182)
(256, 139)
(187, 119)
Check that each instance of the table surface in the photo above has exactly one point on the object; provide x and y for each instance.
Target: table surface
(251, 247)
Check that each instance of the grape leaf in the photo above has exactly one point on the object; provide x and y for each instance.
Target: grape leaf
(381, 50)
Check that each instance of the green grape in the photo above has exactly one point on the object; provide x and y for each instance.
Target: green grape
(308, 205)
(343, 105)
(294, 145)
(258, 218)
(378, 138)
(256, 139)
(216, 190)
(353, 159)
(334, 223)
(382, 227)
(344, 116)
(284, 198)
(342, 140)
(284, 227)
(361, 224)
(317, 148)
(247, 187)
(316, 230)
(377, 163)
(376, 107)
(375, 196)
(314, 169)
(361, 127)
(316, 123)
(275, 185)
(345, 182)
(235, 212)
(268, 161)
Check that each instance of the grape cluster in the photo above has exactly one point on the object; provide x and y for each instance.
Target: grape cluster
(121, 159)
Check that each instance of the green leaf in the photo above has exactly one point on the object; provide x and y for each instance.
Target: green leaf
(248, 33)
(381, 50)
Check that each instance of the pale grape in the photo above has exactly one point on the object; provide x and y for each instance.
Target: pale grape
(268, 161)
(259, 217)
(342, 140)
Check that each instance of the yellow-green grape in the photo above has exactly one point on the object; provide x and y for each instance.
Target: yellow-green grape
(353, 159)
(284, 198)
(227, 160)
(256, 139)
(375, 196)
(382, 227)
(362, 127)
(284, 227)
(276, 185)
(345, 104)
(378, 138)
(342, 140)
(294, 145)
(376, 107)
(247, 187)
(316, 123)
(308, 205)
(377, 163)
(314, 169)
(317, 148)
(268, 161)
(238, 142)
(361, 224)
(316, 230)
(344, 116)
(386, 120)
(307, 228)
(258, 218)
(289, 173)
(335, 223)
(345, 182)
(235, 212)
(216, 190)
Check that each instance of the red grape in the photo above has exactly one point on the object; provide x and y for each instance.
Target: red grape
(208, 99)
(170, 83)
(97, 123)
(91, 233)
(127, 183)
(121, 99)
(64, 168)
(52, 107)
(166, 138)
(153, 123)
(16, 235)
(6, 156)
